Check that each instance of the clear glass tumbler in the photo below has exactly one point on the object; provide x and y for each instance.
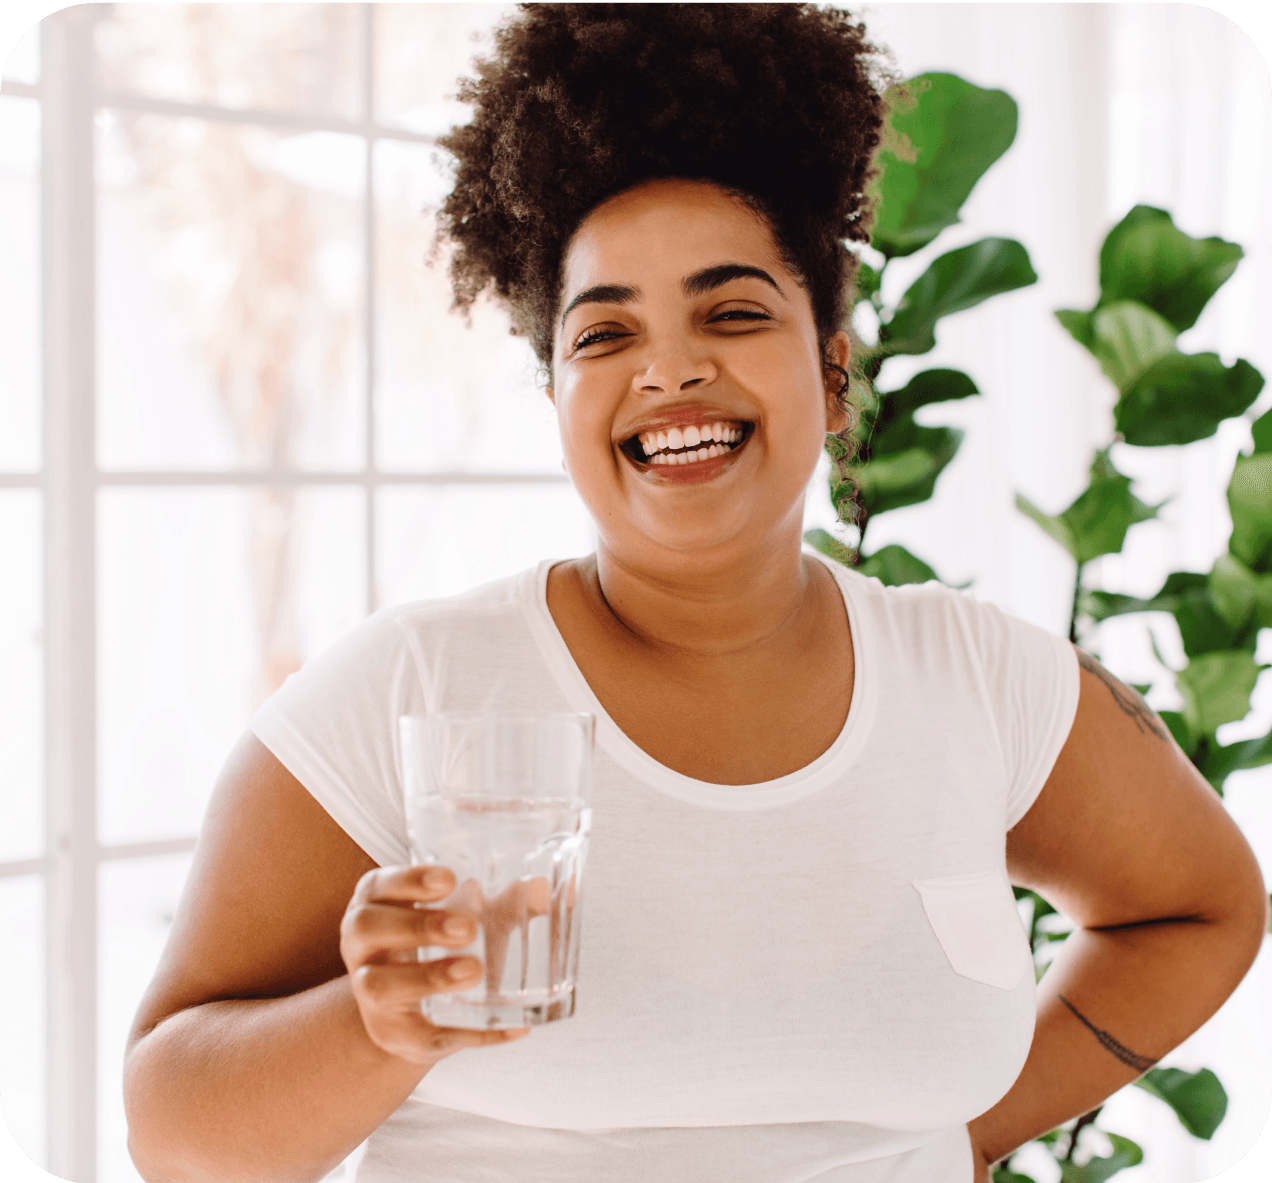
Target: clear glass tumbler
(504, 800)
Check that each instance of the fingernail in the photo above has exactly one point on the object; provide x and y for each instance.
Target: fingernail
(436, 877)
(456, 926)
(464, 967)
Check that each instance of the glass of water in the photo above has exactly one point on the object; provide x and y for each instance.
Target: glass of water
(504, 800)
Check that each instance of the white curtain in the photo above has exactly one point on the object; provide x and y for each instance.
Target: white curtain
(1160, 104)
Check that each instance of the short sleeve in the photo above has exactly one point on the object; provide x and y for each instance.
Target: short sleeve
(1031, 682)
(333, 726)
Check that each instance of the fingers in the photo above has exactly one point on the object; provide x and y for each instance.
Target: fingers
(385, 924)
(387, 920)
(404, 985)
(406, 885)
(375, 931)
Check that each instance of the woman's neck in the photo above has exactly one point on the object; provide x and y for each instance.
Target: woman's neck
(714, 607)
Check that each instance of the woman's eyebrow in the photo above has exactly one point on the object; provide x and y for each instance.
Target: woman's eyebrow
(602, 293)
(710, 278)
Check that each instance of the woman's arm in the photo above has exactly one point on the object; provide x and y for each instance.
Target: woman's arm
(251, 1056)
(1130, 842)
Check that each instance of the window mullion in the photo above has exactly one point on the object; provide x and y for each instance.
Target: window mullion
(67, 262)
(369, 299)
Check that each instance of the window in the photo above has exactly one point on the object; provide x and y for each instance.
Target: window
(253, 419)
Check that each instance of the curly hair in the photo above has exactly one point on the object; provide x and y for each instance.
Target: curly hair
(779, 104)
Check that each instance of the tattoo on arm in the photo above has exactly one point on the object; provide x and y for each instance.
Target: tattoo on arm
(1132, 704)
(1128, 1057)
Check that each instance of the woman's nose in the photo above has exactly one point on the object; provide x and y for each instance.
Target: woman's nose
(674, 367)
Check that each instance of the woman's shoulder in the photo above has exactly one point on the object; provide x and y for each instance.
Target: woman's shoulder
(924, 618)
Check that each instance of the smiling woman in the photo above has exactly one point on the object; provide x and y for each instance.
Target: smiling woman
(802, 958)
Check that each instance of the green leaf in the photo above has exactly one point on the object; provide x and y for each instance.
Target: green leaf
(1054, 526)
(931, 386)
(1234, 588)
(934, 151)
(830, 546)
(1222, 760)
(1097, 522)
(958, 280)
(1261, 429)
(903, 463)
(1250, 501)
(1146, 258)
(1187, 596)
(1127, 338)
(1125, 1154)
(1003, 1175)
(894, 565)
(1198, 1099)
(1079, 326)
(1217, 687)
(1184, 397)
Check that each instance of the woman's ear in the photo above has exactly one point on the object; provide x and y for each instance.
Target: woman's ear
(551, 397)
(838, 353)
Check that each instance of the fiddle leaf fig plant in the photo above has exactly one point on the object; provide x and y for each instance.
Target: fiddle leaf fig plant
(943, 134)
(1154, 282)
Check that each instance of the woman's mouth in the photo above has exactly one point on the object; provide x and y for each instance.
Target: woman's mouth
(687, 445)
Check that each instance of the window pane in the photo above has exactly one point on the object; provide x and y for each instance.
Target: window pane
(22, 1078)
(209, 598)
(277, 57)
(449, 396)
(137, 899)
(19, 283)
(21, 676)
(420, 52)
(230, 298)
(439, 541)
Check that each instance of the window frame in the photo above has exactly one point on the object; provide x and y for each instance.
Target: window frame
(68, 478)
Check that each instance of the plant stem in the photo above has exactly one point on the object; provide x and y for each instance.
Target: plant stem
(1085, 1120)
(1073, 615)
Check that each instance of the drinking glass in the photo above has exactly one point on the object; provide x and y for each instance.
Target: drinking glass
(504, 800)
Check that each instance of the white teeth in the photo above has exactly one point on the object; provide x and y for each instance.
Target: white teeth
(665, 447)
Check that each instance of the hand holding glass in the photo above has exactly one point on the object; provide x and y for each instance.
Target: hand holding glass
(504, 801)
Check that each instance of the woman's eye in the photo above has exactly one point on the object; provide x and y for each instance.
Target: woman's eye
(597, 335)
(740, 314)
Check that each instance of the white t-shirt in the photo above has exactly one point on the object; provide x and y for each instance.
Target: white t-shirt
(821, 977)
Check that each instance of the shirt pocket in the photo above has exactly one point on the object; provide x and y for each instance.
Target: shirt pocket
(975, 919)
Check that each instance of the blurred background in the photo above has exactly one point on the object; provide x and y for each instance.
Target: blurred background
(236, 416)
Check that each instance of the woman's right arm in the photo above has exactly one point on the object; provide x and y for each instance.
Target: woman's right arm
(283, 1024)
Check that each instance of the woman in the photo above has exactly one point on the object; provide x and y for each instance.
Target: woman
(801, 958)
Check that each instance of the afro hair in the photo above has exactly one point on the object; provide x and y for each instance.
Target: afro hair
(778, 103)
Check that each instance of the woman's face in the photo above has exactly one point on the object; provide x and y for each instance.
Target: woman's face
(688, 382)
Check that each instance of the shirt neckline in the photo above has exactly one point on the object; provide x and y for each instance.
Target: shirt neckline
(803, 782)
